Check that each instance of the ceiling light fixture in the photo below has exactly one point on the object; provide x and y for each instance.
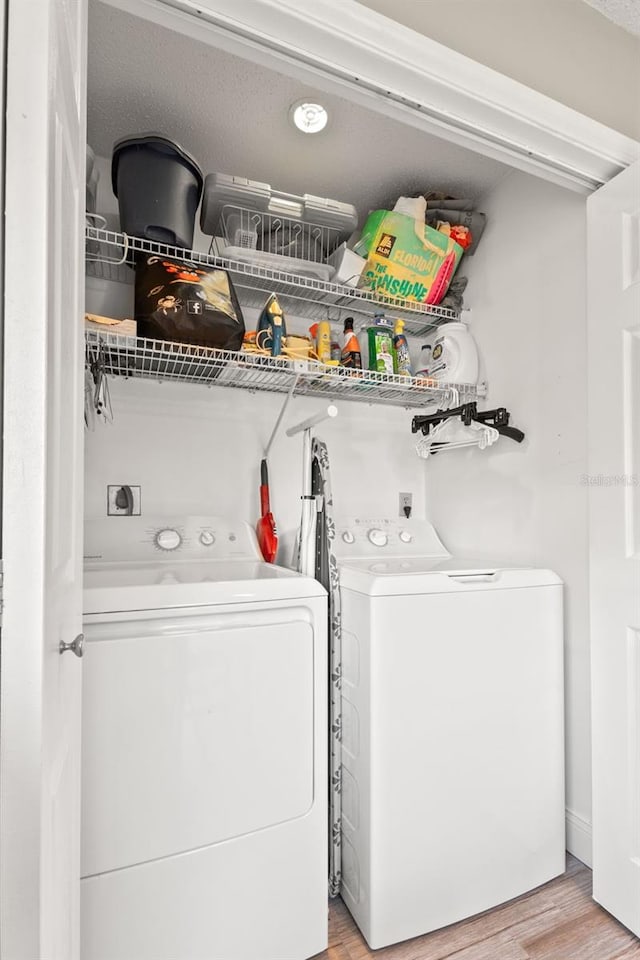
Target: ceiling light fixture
(308, 117)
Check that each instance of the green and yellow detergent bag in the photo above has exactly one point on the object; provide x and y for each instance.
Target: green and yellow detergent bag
(406, 259)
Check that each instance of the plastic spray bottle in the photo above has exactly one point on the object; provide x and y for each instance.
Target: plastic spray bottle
(403, 357)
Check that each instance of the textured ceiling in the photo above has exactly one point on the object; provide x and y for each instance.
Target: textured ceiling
(626, 13)
(233, 117)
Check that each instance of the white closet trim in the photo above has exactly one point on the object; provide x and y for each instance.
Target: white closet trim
(401, 73)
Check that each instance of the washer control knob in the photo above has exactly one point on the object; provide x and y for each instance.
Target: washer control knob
(348, 537)
(405, 536)
(168, 539)
(207, 539)
(378, 538)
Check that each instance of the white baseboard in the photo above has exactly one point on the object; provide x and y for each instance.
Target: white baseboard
(578, 837)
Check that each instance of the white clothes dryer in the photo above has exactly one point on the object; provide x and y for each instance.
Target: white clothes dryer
(204, 785)
(452, 716)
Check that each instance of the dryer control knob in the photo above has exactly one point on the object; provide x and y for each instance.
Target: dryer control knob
(348, 537)
(207, 539)
(378, 538)
(168, 539)
(405, 536)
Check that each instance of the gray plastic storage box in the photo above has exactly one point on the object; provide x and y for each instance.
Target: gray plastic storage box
(221, 189)
(158, 186)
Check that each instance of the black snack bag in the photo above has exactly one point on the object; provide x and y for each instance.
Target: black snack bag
(187, 302)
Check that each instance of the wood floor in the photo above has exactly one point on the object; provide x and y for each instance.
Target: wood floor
(559, 921)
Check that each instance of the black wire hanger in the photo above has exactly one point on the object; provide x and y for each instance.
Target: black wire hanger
(498, 418)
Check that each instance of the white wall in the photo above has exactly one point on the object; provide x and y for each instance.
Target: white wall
(197, 451)
(525, 503)
(561, 48)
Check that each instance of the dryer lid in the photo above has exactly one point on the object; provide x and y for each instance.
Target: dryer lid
(170, 562)
(127, 587)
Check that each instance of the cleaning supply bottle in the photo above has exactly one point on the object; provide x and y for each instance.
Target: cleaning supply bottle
(450, 356)
(271, 327)
(403, 357)
(321, 333)
(351, 356)
(380, 340)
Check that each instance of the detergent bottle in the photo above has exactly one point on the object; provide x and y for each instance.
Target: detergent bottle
(380, 341)
(451, 355)
(403, 357)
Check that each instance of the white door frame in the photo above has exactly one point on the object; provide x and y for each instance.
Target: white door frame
(382, 64)
(613, 276)
(43, 298)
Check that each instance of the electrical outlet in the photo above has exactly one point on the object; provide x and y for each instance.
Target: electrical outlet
(123, 500)
(405, 501)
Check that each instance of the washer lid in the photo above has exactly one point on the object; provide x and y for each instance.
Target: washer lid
(124, 587)
(404, 576)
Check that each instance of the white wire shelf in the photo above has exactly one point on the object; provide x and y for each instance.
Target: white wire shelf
(310, 298)
(163, 360)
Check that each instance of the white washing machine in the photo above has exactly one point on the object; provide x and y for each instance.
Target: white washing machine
(204, 785)
(453, 761)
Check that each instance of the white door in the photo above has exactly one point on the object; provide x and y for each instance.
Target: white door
(614, 481)
(42, 478)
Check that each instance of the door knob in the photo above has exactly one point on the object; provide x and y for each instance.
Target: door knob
(76, 645)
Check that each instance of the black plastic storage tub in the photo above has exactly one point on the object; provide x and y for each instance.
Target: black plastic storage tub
(158, 186)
